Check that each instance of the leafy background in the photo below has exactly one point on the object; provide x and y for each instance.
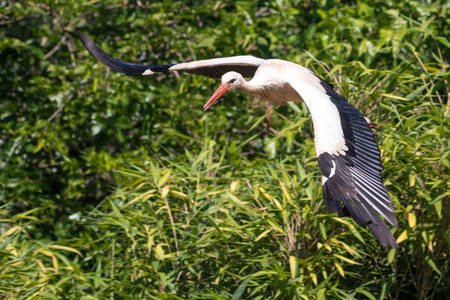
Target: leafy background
(122, 187)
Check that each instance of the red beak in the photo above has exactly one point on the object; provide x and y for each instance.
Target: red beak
(216, 96)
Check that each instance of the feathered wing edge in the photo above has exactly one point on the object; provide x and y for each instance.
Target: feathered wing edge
(213, 68)
(357, 181)
(117, 64)
(348, 156)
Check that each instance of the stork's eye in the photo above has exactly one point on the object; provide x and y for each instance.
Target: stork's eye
(232, 81)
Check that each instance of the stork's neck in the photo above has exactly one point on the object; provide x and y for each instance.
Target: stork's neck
(249, 88)
(273, 91)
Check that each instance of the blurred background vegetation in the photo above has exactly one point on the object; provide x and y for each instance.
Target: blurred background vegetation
(123, 188)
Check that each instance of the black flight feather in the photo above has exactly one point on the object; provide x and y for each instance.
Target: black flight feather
(214, 71)
(356, 187)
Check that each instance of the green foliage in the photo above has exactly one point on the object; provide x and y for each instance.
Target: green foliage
(121, 187)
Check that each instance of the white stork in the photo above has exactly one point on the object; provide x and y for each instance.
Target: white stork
(348, 154)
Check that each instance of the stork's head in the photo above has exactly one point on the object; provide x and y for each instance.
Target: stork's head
(230, 81)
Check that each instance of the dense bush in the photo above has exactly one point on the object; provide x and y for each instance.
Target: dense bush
(121, 187)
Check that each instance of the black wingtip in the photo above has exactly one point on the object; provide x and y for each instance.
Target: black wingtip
(383, 234)
(112, 63)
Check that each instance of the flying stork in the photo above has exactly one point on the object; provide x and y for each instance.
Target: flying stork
(348, 154)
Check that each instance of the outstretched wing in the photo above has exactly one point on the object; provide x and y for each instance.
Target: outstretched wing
(349, 159)
(246, 65)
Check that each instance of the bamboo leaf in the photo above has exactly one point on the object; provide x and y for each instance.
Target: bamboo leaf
(241, 289)
(346, 259)
(411, 220)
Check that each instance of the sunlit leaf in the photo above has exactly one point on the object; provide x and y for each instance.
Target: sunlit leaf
(411, 220)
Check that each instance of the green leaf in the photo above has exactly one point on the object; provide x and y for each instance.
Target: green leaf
(241, 289)
(391, 255)
(444, 41)
(432, 264)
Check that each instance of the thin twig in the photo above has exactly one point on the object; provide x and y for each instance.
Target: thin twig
(56, 48)
(56, 113)
(173, 225)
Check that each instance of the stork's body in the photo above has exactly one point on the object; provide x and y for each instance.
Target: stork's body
(347, 152)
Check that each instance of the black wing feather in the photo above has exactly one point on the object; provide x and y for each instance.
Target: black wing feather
(218, 71)
(356, 182)
(117, 64)
(246, 70)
